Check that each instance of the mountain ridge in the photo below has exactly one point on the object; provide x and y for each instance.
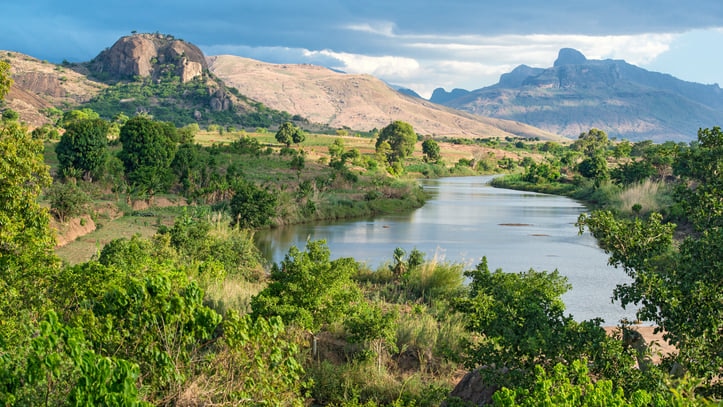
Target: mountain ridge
(359, 102)
(152, 61)
(577, 94)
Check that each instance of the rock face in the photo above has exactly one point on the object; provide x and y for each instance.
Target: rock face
(150, 55)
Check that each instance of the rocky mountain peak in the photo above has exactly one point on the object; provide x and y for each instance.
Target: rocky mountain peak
(150, 55)
(569, 56)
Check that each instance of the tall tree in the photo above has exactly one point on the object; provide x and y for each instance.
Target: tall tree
(307, 289)
(431, 150)
(288, 133)
(401, 138)
(6, 81)
(679, 286)
(148, 150)
(83, 147)
(26, 241)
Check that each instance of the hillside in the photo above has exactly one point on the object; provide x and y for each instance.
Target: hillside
(39, 85)
(173, 81)
(577, 94)
(358, 102)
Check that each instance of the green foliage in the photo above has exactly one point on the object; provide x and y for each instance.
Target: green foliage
(6, 80)
(571, 387)
(521, 320)
(182, 104)
(59, 367)
(148, 150)
(45, 132)
(592, 142)
(431, 151)
(26, 242)
(541, 173)
(252, 206)
(633, 172)
(307, 289)
(701, 168)
(67, 200)
(288, 134)
(258, 364)
(676, 289)
(155, 320)
(78, 115)
(594, 167)
(369, 325)
(83, 147)
(194, 168)
(401, 139)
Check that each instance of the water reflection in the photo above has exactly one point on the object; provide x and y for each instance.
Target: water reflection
(466, 219)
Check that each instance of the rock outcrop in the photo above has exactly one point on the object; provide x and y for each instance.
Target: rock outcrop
(150, 55)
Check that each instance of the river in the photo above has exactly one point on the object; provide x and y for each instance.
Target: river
(465, 219)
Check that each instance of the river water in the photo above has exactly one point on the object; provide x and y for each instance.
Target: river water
(465, 219)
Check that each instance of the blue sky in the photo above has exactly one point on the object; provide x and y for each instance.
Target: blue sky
(419, 44)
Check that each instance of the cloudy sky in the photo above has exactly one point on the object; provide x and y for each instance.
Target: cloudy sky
(419, 44)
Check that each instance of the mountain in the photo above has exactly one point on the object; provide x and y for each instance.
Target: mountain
(577, 94)
(156, 74)
(40, 86)
(172, 80)
(358, 102)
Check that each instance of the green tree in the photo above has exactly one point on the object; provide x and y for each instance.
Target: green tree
(288, 133)
(59, 367)
(592, 142)
(678, 288)
(67, 200)
(701, 170)
(148, 150)
(83, 147)
(252, 206)
(257, 365)
(307, 289)
(431, 151)
(26, 241)
(74, 115)
(595, 168)
(521, 322)
(370, 326)
(540, 173)
(6, 80)
(401, 138)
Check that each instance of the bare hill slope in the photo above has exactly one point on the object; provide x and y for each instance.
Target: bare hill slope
(39, 85)
(358, 102)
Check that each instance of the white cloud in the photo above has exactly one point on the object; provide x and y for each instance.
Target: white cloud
(426, 62)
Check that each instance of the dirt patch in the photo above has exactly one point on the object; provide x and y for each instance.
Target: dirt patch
(72, 229)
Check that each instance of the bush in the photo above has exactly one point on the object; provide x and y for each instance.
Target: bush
(67, 200)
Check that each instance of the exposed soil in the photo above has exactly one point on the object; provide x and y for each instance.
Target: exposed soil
(72, 229)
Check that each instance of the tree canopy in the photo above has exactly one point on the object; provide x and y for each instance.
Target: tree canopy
(6, 81)
(401, 138)
(288, 134)
(148, 150)
(83, 147)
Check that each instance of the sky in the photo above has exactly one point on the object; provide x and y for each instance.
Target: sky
(417, 44)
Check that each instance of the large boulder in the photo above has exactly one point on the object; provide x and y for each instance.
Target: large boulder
(150, 55)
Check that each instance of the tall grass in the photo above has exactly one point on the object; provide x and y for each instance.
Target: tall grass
(434, 280)
(232, 293)
(647, 194)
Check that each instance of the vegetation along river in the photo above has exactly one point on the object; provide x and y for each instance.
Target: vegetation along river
(465, 219)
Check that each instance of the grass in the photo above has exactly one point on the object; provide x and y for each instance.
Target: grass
(647, 194)
(143, 223)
